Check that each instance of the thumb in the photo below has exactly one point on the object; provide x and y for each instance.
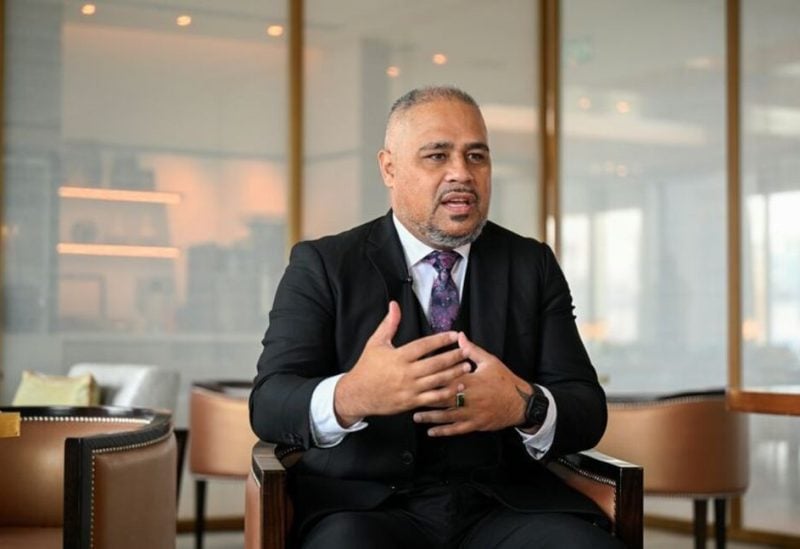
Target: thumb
(386, 330)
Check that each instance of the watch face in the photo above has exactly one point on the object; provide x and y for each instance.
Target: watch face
(536, 411)
(539, 404)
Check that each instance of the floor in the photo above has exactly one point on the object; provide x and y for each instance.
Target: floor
(653, 539)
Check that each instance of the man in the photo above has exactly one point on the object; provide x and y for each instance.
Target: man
(417, 369)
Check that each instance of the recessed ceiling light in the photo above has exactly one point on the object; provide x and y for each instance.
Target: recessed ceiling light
(701, 63)
(439, 58)
(275, 30)
(393, 72)
(88, 9)
(184, 20)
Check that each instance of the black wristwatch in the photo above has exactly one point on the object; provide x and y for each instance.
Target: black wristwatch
(535, 409)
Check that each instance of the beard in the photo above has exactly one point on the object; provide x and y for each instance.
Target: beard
(443, 240)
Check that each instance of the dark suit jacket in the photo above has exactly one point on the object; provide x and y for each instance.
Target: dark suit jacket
(335, 292)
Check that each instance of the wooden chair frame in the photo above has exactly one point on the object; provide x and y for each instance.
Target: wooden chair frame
(615, 485)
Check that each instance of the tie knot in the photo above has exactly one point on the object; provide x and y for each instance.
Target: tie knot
(442, 260)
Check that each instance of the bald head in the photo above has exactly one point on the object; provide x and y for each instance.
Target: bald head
(420, 96)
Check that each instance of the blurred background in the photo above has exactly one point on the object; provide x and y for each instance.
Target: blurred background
(150, 192)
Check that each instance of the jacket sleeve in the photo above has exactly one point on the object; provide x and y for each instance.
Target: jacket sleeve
(298, 351)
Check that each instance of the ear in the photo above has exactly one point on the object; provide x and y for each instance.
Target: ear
(386, 166)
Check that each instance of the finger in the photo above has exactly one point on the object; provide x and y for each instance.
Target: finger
(449, 422)
(444, 377)
(472, 351)
(437, 363)
(442, 397)
(386, 330)
(426, 345)
(436, 416)
(451, 429)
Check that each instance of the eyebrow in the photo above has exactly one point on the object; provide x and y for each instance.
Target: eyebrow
(447, 146)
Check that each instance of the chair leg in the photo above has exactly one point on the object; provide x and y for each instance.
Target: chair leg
(181, 437)
(199, 512)
(720, 518)
(700, 516)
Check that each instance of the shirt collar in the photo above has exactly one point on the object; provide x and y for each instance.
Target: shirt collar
(416, 250)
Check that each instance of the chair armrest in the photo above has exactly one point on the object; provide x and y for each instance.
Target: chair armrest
(614, 485)
(119, 487)
(273, 507)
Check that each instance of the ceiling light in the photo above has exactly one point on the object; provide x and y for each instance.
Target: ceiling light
(88, 9)
(701, 63)
(439, 58)
(275, 30)
(184, 20)
(393, 72)
(584, 103)
(623, 107)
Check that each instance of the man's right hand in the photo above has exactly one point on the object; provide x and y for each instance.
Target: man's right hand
(389, 380)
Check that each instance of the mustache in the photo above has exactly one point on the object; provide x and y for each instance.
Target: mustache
(460, 190)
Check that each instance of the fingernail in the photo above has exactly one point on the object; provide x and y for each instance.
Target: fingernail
(417, 418)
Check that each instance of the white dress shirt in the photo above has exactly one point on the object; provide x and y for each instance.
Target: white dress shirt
(325, 428)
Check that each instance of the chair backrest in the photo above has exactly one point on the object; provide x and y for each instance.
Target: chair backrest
(137, 385)
(689, 444)
(99, 477)
(219, 422)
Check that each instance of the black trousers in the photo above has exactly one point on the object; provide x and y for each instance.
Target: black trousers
(453, 516)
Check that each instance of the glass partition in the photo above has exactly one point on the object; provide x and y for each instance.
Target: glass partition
(643, 193)
(770, 193)
(144, 185)
(770, 202)
(643, 189)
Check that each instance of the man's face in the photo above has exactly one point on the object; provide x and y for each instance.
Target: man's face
(439, 172)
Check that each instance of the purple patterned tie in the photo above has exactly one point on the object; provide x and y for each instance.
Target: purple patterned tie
(444, 294)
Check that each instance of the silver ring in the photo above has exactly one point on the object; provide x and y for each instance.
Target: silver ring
(461, 400)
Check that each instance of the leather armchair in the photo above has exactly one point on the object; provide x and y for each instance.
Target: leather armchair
(616, 486)
(221, 438)
(689, 444)
(88, 477)
(139, 385)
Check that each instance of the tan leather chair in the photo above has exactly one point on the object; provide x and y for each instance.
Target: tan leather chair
(616, 486)
(220, 438)
(689, 444)
(88, 477)
(142, 386)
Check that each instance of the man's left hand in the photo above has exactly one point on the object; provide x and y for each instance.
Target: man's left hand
(494, 397)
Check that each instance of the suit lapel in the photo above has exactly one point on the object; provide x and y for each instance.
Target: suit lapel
(489, 264)
(385, 253)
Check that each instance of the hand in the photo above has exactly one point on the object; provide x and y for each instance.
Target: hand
(495, 397)
(389, 380)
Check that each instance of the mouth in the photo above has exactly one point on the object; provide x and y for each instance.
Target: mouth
(459, 202)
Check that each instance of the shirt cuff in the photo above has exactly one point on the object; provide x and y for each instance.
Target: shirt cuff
(538, 443)
(325, 429)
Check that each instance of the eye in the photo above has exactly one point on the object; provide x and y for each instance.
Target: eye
(477, 157)
(437, 157)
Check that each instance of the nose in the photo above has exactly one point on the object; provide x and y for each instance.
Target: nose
(458, 169)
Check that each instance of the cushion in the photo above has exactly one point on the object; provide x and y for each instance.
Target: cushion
(37, 389)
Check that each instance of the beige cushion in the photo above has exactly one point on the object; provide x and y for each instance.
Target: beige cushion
(37, 389)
